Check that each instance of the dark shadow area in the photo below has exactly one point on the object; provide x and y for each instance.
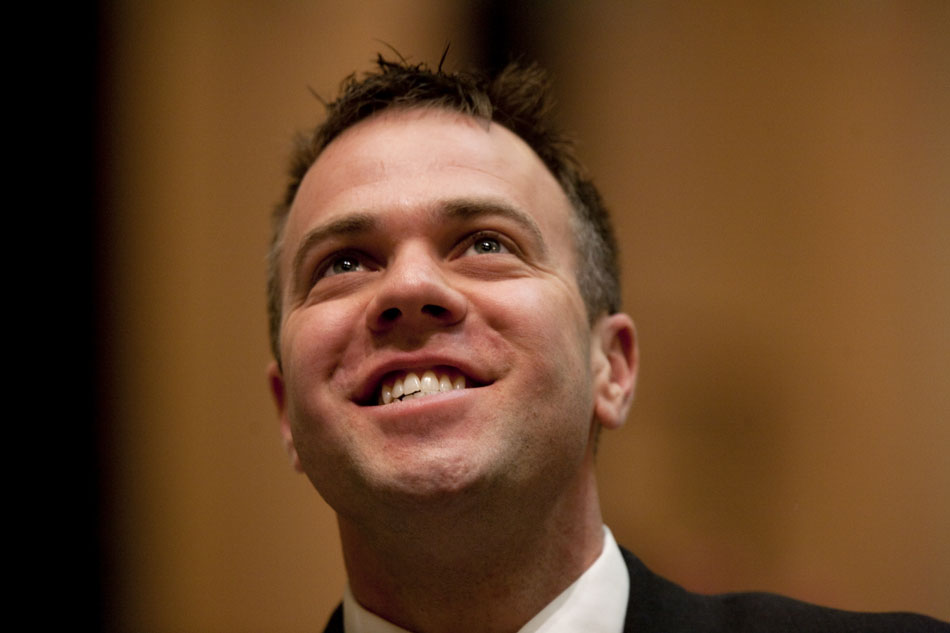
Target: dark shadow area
(502, 32)
(58, 438)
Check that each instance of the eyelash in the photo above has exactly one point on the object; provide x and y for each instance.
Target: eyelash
(475, 238)
(365, 262)
(326, 266)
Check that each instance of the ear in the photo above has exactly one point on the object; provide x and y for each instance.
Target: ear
(614, 360)
(276, 378)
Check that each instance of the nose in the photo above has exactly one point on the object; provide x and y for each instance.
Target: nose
(414, 296)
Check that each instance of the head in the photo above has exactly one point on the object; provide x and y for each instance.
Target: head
(518, 98)
(428, 242)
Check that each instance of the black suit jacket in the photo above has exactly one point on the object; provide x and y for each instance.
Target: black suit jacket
(657, 605)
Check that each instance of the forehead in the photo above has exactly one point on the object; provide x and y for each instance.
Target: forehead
(403, 161)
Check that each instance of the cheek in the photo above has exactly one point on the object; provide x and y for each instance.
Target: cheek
(540, 316)
(316, 339)
(548, 330)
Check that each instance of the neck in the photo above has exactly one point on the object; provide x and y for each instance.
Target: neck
(486, 568)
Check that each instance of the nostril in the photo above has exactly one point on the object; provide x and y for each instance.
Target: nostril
(434, 310)
(390, 314)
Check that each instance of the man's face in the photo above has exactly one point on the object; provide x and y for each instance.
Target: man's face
(429, 245)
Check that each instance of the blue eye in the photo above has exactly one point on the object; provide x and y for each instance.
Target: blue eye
(345, 265)
(340, 264)
(486, 245)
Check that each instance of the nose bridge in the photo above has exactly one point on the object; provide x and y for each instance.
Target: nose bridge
(414, 292)
(414, 264)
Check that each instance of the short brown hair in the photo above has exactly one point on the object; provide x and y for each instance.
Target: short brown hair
(518, 97)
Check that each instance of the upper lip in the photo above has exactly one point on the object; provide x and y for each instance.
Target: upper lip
(368, 385)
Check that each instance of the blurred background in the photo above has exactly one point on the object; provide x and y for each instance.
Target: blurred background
(779, 175)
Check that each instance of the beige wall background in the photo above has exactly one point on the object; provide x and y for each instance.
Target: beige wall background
(780, 178)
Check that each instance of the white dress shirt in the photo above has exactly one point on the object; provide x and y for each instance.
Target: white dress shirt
(594, 603)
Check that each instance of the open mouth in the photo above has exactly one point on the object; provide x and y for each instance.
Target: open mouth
(403, 385)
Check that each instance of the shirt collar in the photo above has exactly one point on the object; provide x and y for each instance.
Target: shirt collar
(595, 603)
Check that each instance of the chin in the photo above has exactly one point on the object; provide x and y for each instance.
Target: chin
(434, 480)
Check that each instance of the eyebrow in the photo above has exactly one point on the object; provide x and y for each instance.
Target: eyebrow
(466, 209)
(350, 225)
(455, 209)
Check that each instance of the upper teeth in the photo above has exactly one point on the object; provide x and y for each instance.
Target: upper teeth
(413, 386)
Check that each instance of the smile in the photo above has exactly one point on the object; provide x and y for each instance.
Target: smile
(404, 385)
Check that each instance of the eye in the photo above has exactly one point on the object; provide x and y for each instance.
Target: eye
(345, 264)
(339, 264)
(483, 244)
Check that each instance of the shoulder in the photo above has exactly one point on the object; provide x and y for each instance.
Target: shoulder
(656, 604)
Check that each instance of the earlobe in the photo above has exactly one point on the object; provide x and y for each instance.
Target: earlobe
(616, 370)
(276, 379)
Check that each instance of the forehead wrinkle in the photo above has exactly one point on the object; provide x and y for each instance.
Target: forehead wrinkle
(470, 209)
(348, 225)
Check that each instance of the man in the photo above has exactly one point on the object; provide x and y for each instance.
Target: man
(444, 312)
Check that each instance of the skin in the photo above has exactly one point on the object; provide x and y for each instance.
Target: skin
(427, 238)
